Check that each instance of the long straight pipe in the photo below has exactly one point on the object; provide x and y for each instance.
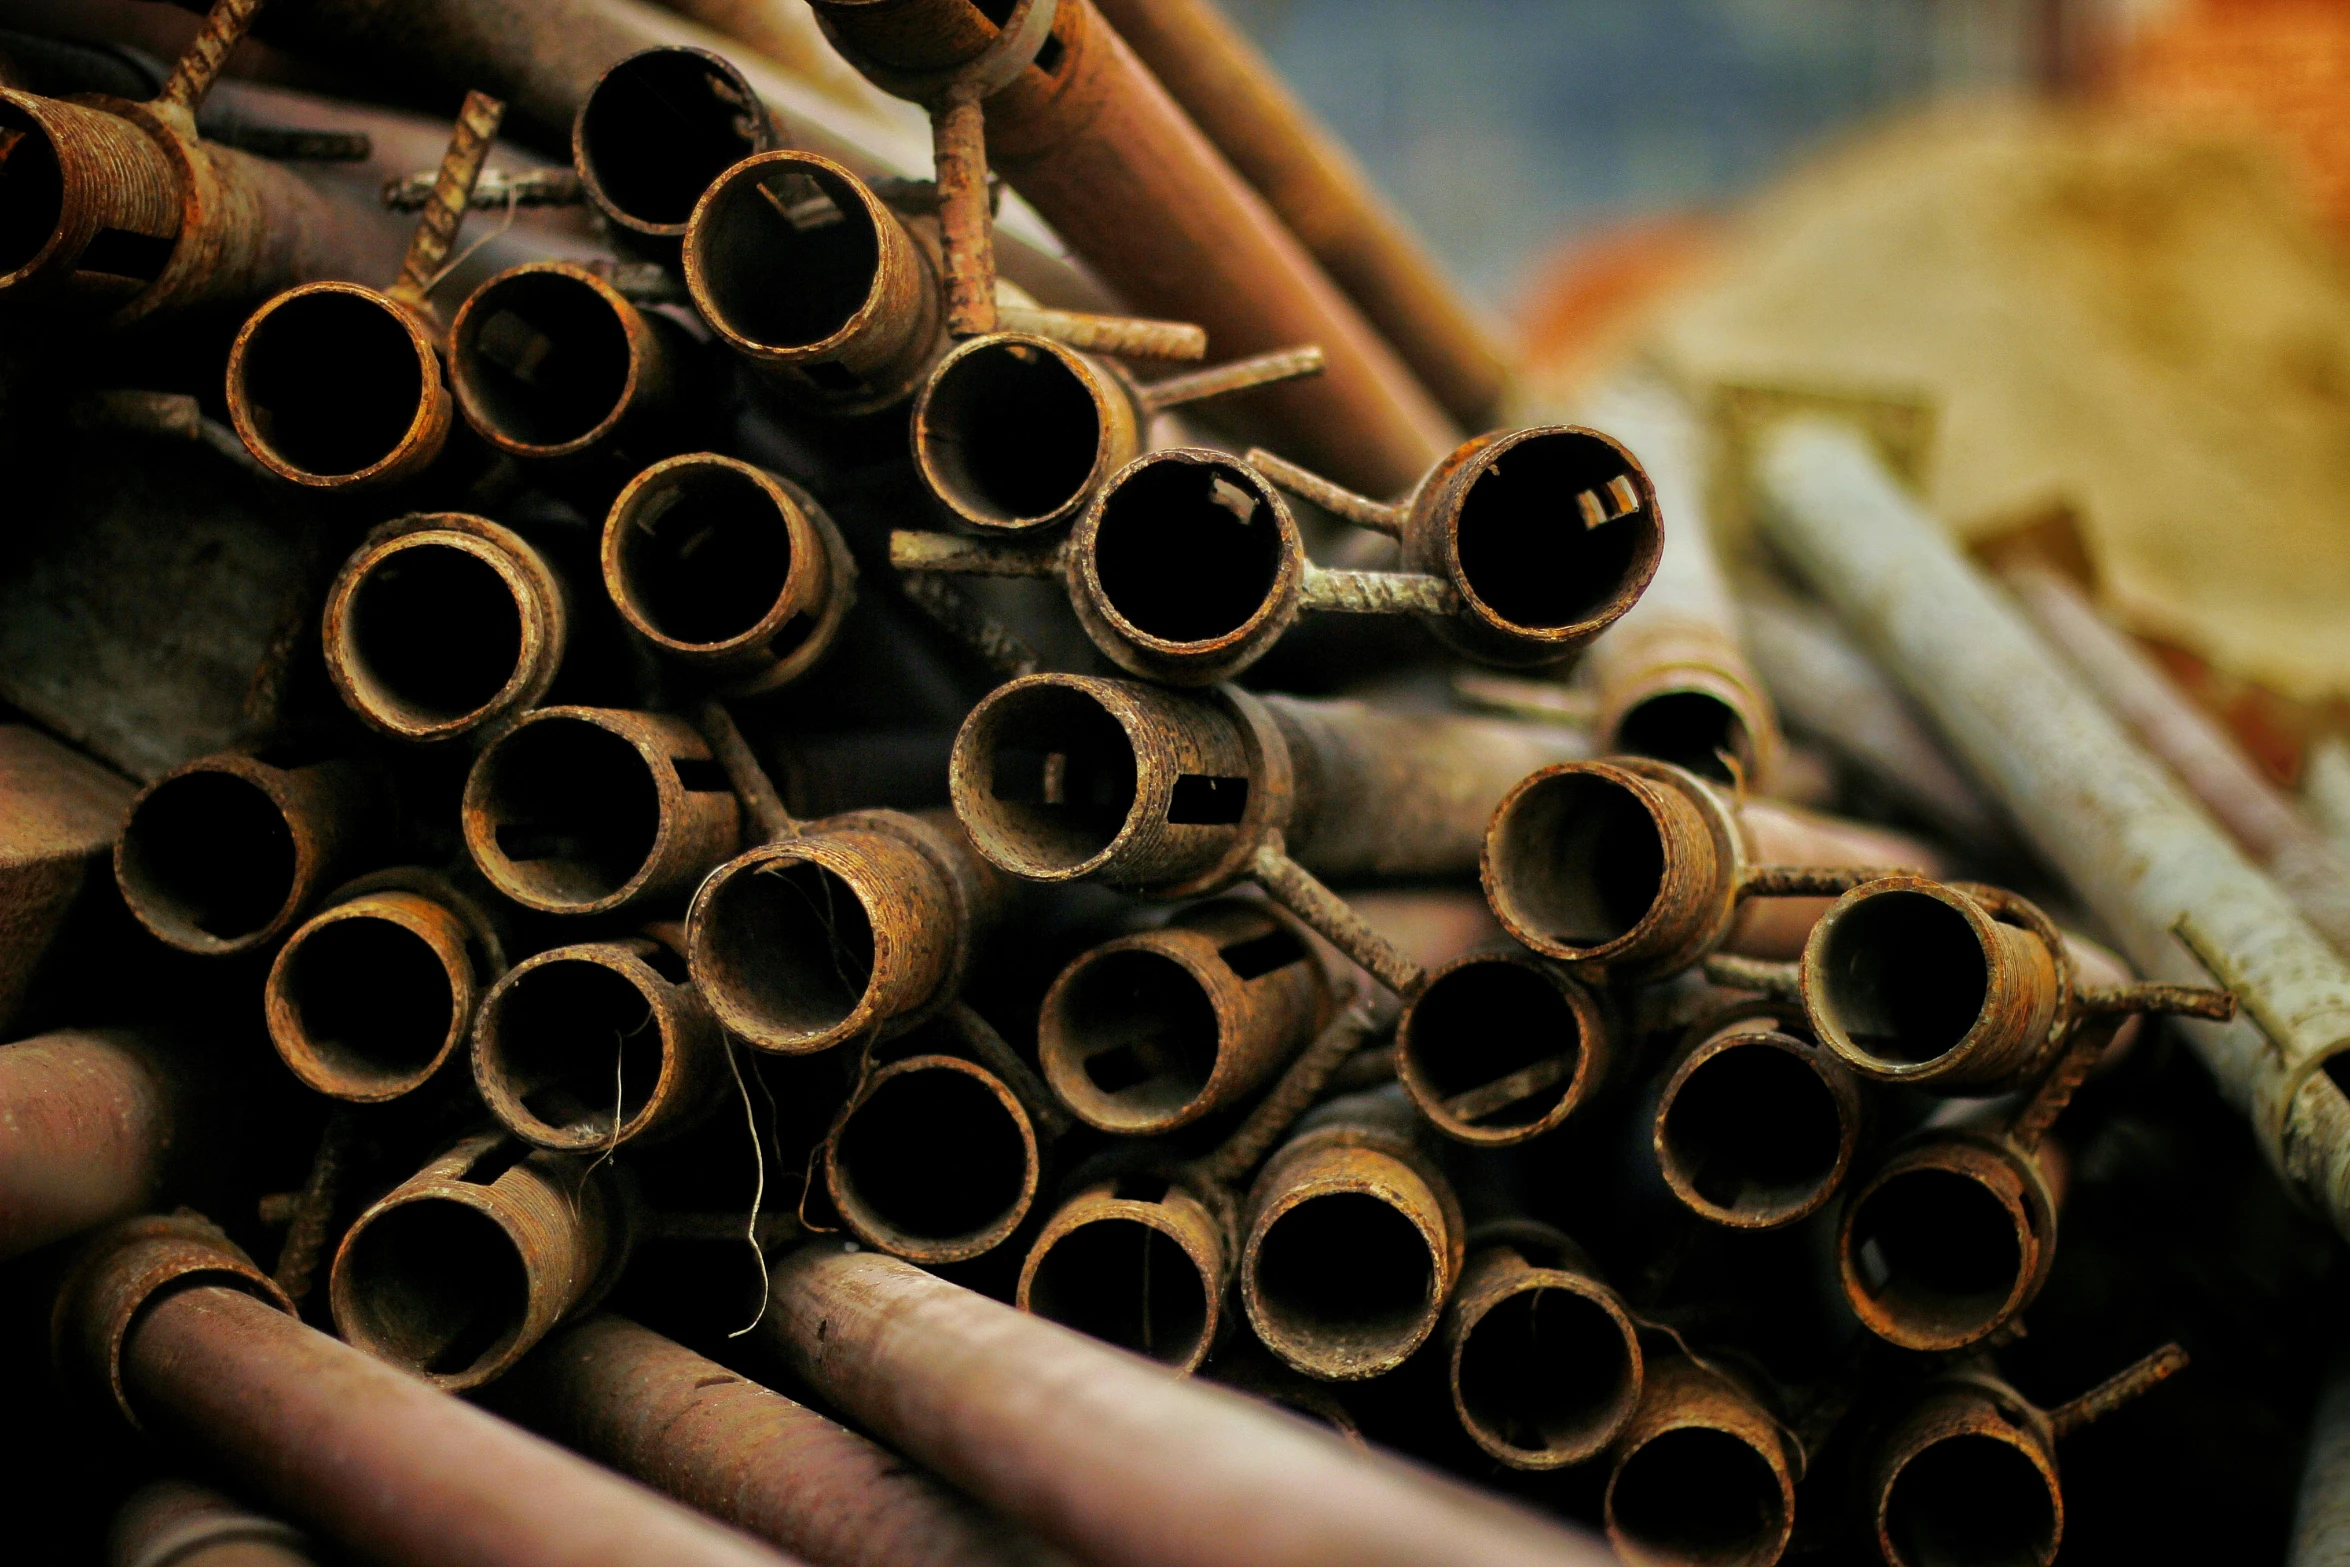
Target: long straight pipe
(1119, 1462)
(86, 1120)
(2184, 902)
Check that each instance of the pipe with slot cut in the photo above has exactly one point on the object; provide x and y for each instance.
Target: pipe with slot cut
(1155, 1031)
(552, 365)
(1179, 794)
(1545, 536)
(442, 625)
(1106, 1457)
(177, 1523)
(1755, 1125)
(1704, 1474)
(168, 1323)
(336, 385)
(629, 1398)
(1543, 1361)
(731, 571)
(656, 129)
(456, 1272)
(118, 210)
(548, 1029)
(371, 995)
(1351, 1241)
(1641, 868)
(588, 810)
(1501, 1046)
(1015, 432)
(934, 1160)
(223, 854)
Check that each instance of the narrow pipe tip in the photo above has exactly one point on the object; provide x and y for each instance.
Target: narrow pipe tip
(1946, 1243)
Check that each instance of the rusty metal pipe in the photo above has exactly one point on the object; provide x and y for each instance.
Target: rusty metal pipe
(334, 386)
(2128, 839)
(1544, 1362)
(933, 1159)
(60, 814)
(1321, 194)
(1499, 1047)
(1642, 868)
(178, 1330)
(1106, 1457)
(1486, 519)
(1152, 1032)
(1704, 1475)
(1755, 1125)
(734, 572)
(442, 625)
(93, 1120)
(590, 810)
(655, 130)
(1351, 1242)
(548, 1027)
(629, 1398)
(370, 996)
(182, 1524)
(1085, 133)
(223, 854)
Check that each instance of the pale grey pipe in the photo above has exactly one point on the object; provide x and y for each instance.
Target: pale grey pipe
(2121, 829)
(2321, 1520)
(2325, 789)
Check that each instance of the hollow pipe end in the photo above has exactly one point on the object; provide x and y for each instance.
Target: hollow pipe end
(401, 340)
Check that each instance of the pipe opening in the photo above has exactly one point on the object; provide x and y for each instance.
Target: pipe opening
(1753, 1129)
(1187, 552)
(1061, 776)
(32, 190)
(573, 809)
(1904, 976)
(371, 999)
(1691, 729)
(1136, 1036)
(791, 945)
(1582, 857)
(1972, 1500)
(934, 1155)
(658, 128)
(435, 634)
(1010, 433)
(1483, 1024)
(210, 855)
(332, 381)
(1524, 549)
(579, 1049)
(787, 255)
(1344, 1272)
(436, 1286)
(544, 358)
(1937, 1253)
(702, 555)
(1126, 1283)
(1547, 1372)
(1697, 1496)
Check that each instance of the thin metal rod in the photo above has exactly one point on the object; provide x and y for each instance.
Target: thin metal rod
(1294, 1091)
(1287, 364)
(2123, 1386)
(1811, 881)
(198, 67)
(910, 550)
(1337, 500)
(1780, 981)
(1375, 592)
(744, 775)
(495, 191)
(1124, 337)
(997, 1055)
(990, 640)
(958, 130)
(444, 212)
(1295, 889)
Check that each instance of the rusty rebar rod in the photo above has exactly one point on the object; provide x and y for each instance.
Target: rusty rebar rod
(59, 817)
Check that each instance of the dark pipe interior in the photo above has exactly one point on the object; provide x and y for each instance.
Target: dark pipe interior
(576, 1042)
(1546, 1369)
(1582, 858)
(1187, 552)
(790, 944)
(1698, 1496)
(1691, 729)
(1126, 1283)
(437, 1285)
(1060, 774)
(1904, 976)
(704, 554)
(210, 853)
(1936, 1250)
(788, 256)
(1971, 1501)
(333, 382)
(1010, 432)
(436, 632)
(544, 356)
(659, 128)
(573, 808)
(1143, 1031)
(1523, 547)
(1753, 1128)
(371, 998)
(32, 190)
(1344, 1268)
(1483, 1021)
(933, 1155)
